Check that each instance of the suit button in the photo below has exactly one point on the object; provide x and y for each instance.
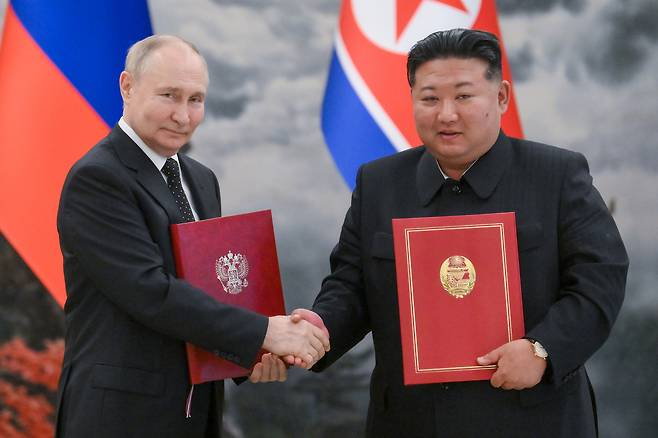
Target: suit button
(445, 387)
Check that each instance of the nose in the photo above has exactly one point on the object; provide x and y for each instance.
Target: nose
(447, 112)
(181, 114)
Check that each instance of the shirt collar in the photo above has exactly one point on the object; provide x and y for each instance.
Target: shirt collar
(482, 176)
(157, 159)
(463, 173)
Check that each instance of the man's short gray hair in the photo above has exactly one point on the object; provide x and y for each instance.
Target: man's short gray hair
(141, 50)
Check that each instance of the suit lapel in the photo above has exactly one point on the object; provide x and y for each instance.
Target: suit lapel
(151, 179)
(146, 174)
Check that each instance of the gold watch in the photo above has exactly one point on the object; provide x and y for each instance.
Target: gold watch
(538, 349)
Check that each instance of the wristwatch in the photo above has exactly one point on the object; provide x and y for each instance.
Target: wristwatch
(538, 349)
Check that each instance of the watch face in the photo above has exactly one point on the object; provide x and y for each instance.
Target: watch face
(540, 351)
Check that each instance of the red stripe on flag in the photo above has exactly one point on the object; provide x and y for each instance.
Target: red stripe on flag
(394, 96)
(45, 126)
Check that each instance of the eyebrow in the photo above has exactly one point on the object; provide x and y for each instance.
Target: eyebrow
(177, 89)
(457, 85)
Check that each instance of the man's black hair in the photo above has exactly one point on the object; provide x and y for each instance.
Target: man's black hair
(456, 43)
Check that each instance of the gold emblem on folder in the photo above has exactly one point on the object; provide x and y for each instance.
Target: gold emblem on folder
(457, 276)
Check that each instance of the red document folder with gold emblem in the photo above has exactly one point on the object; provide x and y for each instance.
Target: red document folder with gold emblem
(233, 259)
(459, 294)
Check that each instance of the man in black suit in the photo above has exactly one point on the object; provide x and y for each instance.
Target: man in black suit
(127, 315)
(572, 260)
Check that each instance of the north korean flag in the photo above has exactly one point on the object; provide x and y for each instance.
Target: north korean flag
(367, 110)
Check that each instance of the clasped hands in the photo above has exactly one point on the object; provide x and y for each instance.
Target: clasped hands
(300, 339)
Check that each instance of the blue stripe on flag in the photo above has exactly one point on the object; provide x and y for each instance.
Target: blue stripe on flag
(351, 133)
(88, 41)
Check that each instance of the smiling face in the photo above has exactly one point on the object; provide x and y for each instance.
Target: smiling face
(457, 110)
(165, 103)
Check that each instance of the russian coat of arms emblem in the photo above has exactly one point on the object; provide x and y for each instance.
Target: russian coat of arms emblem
(232, 270)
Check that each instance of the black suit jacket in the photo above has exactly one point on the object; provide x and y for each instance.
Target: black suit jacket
(127, 315)
(573, 270)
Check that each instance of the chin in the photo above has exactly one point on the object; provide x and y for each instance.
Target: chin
(449, 151)
(173, 144)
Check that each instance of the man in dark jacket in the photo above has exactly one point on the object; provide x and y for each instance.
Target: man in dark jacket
(127, 315)
(572, 260)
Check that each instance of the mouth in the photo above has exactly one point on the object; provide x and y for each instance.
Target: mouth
(449, 135)
(174, 132)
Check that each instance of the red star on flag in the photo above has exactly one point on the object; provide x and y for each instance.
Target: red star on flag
(406, 9)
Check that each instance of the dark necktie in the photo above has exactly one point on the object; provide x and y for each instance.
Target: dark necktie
(170, 169)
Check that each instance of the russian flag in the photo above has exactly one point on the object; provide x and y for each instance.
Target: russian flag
(367, 111)
(59, 94)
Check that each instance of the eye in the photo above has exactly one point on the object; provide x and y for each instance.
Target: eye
(196, 99)
(464, 96)
(429, 99)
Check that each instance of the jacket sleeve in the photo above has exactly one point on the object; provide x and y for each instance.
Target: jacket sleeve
(593, 267)
(104, 231)
(341, 302)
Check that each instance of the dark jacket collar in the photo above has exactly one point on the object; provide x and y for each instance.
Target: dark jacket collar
(483, 176)
(150, 177)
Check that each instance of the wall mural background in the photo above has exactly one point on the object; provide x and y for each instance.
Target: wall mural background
(584, 75)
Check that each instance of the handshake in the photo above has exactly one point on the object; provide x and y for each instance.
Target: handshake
(299, 339)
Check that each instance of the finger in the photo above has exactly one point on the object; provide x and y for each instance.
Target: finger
(304, 313)
(282, 372)
(315, 355)
(484, 360)
(256, 373)
(296, 317)
(313, 318)
(312, 345)
(490, 358)
(322, 337)
(497, 380)
(307, 365)
(289, 359)
(268, 368)
(317, 346)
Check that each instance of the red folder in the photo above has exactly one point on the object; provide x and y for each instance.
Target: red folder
(233, 259)
(459, 294)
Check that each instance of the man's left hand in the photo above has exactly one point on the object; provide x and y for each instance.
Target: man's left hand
(518, 367)
(270, 369)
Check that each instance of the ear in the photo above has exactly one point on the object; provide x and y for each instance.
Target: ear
(504, 93)
(126, 83)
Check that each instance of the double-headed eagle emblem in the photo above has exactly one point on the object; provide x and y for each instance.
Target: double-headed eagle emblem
(232, 270)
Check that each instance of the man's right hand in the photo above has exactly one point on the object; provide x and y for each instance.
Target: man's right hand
(299, 315)
(301, 340)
